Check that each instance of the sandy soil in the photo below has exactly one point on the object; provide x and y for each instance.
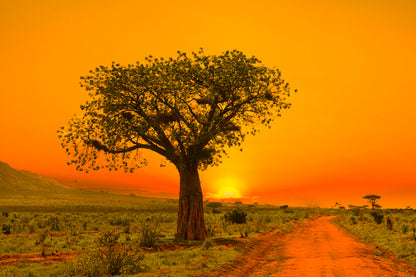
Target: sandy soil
(317, 248)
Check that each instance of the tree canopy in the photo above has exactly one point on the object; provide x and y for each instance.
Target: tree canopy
(189, 109)
(372, 199)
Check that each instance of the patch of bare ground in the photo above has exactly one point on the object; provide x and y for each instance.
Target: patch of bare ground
(62, 234)
(257, 253)
(54, 257)
(316, 248)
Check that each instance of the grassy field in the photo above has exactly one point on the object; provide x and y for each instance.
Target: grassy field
(126, 235)
(391, 230)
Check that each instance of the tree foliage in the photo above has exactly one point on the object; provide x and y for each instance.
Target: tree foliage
(372, 199)
(189, 109)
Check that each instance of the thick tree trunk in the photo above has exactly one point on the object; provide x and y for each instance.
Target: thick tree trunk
(191, 223)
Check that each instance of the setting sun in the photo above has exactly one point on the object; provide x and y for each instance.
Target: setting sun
(228, 188)
(229, 192)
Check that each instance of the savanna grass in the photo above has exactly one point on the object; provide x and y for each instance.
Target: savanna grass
(136, 224)
(391, 230)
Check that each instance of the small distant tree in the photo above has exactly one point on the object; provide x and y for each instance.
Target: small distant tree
(188, 109)
(372, 199)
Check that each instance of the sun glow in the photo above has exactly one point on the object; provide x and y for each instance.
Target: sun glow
(229, 188)
(229, 192)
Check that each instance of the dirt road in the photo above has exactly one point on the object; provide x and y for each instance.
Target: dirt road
(317, 248)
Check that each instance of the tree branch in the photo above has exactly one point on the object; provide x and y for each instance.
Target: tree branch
(101, 147)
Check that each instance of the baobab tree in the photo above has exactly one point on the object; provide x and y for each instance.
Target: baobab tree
(188, 109)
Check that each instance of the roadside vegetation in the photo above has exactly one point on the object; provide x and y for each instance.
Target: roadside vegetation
(392, 230)
(129, 236)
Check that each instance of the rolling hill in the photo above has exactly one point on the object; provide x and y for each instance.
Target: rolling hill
(23, 184)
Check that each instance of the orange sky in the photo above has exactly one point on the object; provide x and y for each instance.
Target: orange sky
(351, 130)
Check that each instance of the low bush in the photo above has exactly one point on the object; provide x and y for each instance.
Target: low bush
(378, 216)
(120, 221)
(236, 216)
(111, 258)
(215, 211)
(389, 223)
(6, 229)
(53, 222)
(214, 205)
(149, 235)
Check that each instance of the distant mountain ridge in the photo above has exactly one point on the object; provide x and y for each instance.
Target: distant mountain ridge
(21, 183)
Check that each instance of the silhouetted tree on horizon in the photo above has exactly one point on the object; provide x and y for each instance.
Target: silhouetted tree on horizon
(187, 109)
(372, 199)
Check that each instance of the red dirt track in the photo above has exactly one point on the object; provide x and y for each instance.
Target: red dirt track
(317, 248)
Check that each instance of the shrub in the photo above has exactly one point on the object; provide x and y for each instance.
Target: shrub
(54, 223)
(120, 221)
(110, 259)
(41, 238)
(244, 231)
(414, 232)
(214, 205)
(31, 228)
(84, 225)
(356, 211)
(215, 211)
(267, 219)
(6, 229)
(211, 230)
(149, 236)
(405, 228)
(389, 224)
(378, 217)
(236, 216)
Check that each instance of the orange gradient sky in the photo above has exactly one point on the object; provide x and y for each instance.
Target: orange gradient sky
(350, 132)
